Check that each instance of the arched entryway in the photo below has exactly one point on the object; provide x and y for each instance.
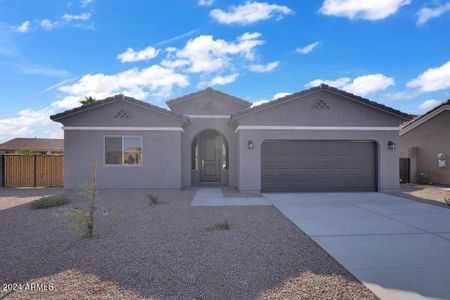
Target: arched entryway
(209, 158)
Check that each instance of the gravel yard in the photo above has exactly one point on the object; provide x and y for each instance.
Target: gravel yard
(166, 251)
(424, 193)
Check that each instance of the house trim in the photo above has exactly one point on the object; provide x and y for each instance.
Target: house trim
(123, 128)
(316, 128)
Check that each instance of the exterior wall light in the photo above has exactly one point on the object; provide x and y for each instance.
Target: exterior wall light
(250, 144)
(391, 145)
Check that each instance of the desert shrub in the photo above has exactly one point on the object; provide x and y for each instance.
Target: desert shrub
(50, 201)
(447, 200)
(153, 199)
(80, 220)
(224, 225)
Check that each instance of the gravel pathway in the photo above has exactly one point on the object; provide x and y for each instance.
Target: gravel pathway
(167, 251)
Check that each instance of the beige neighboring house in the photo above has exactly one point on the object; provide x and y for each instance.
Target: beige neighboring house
(40, 146)
(425, 141)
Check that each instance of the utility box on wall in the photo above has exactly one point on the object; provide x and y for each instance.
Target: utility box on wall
(442, 160)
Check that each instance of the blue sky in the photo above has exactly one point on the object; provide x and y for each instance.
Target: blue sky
(53, 53)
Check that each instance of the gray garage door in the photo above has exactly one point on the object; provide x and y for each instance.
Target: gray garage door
(318, 166)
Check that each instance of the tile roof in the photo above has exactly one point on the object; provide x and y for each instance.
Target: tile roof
(210, 90)
(327, 88)
(119, 97)
(421, 117)
(36, 144)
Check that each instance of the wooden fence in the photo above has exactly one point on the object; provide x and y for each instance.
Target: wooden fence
(33, 171)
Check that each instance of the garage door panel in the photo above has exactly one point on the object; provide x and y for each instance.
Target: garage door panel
(315, 186)
(318, 177)
(319, 163)
(318, 166)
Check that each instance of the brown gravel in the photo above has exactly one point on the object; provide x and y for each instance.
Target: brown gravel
(164, 252)
(424, 193)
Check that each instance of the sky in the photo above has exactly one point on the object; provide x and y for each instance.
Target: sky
(54, 53)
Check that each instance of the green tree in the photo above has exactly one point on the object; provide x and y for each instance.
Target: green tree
(88, 100)
(26, 152)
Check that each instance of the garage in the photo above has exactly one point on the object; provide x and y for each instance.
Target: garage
(318, 166)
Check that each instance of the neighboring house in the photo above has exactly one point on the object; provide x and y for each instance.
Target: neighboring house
(425, 141)
(37, 145)
(321, 139)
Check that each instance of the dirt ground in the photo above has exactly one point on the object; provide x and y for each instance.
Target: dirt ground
(166, 251)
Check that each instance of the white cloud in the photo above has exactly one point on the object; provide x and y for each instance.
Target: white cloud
(205, 54)
(276, 96)
(281, 95)
(433, 79)
(85, 3)
(259, 102)
(42, 70)
(206, 2)
(429, 104)
(338, 83)
(264, 68)
(131, 56)
(308, 48)
(250, 12)
(223, 80)
(362, 9)
(27, 123)
(80, 17)
(155, 80)
(362, 85)
(48, 24)
(22, 28)
(426, 13)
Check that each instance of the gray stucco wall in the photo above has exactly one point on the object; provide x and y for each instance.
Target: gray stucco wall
(250, 159)
(105, 116)
(208, 104)
(161, 149)
(430, 138)
(1, 168)
(305, 111)
(161, 160)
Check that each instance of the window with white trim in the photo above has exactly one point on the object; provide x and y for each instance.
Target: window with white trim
(123, 150)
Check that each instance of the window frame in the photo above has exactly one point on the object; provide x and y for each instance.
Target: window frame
(123, 151)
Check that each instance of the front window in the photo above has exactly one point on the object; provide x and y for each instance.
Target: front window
(123, 150)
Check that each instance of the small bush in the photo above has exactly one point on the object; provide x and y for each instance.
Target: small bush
(225, 225)
(50, 201)
(154, 200)
(80, 220)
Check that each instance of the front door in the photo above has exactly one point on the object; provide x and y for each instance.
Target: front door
(210, 156)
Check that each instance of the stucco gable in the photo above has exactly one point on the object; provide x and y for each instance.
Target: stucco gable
(207, 102)
(119, 111)
(425, 118)
(321, 106)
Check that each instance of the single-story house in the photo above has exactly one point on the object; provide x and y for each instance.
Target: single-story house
(320, 139)
(425, 146)
(37, 145)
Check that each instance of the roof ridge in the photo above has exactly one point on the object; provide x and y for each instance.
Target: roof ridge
(318, 88)
(208, 89)
(116, 97)
(419, 117)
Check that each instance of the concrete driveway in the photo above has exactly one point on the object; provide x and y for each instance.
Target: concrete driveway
(400, 249)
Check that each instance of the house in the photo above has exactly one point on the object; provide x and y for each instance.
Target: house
(425, 146)
(37, 145)
(320, 139)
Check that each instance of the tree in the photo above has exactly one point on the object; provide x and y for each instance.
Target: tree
(88, 100)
